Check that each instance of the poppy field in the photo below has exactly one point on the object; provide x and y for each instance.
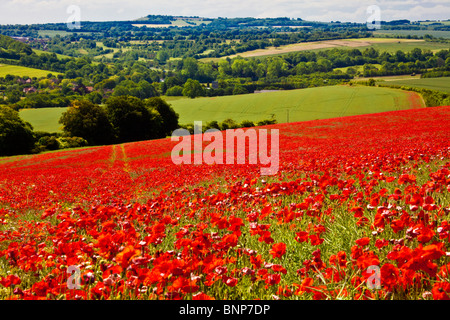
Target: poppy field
(359, 209)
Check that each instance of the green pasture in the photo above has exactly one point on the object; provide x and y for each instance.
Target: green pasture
(20, 71)
(44, 119)
(293, 105)
(439, 84)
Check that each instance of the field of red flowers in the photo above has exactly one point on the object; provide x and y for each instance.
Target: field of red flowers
(358, 210)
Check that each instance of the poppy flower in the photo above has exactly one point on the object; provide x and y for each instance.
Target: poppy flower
(10, 280)
(229, 281)
(441, 291)
(124, 257)
(363, 241)
(273, 279)
(201, 296)
(301, 236)
(278, 250)
(315, 239)
(389, 275)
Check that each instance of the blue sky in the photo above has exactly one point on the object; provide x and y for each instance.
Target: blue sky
(47, 11)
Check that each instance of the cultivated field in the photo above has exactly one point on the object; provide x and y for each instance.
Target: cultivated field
(44, 119)
(438, 84)
(387, 44)
(419, 33)
(20, 71)
(296, 105)
(292, 105)
(357, 210)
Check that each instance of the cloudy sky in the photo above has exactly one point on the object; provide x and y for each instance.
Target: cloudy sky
(47, 11)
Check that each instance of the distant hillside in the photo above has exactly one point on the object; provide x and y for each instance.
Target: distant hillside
(13, 49)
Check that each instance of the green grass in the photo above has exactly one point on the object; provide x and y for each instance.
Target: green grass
(419, 33)
(302, 105)
(390, 45)
(20, 71)
(439, 84)
(62, 33)
(59, 56)
(45, 119)
(409, 46)
(359, 68)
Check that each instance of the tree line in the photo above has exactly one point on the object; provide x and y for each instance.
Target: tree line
(121, 119)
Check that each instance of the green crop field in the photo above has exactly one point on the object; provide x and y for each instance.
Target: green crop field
(438, 84)
(393, 47)
(292, 106)
(390, 45)
(53, 33)
(419, 33)
(20, 71)
(296, 105)
(59, 56)
(45, 119)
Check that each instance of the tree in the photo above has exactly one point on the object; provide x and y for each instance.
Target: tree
(190, 67)
(239, 89)
(131, 120)
(89, 121)
(193, 89)
(141, 90)
(228, 124)
(168, 115)
(174, 91)
(16, 135)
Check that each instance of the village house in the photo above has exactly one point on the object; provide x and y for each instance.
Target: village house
(30, 90)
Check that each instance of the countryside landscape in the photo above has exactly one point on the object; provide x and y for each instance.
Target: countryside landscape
(93, 205)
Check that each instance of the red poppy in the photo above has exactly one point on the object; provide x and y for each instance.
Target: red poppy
(10, 280)
(278, 250)
(441, 291)
(124, 257)
(406, 178)
(302, 236)
(229, 281)
(363, 241)
(273, 279)
(315, 239)
(201, 296)
(389, 276)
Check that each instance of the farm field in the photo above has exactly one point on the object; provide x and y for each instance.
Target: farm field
(419, 33)
(20, 71)
(352, 195)
(44, 119)
(385, 44)
(185, 22)
(298, 105)
(53, 33)
(438, 84)
(59, 56)
(303, 104)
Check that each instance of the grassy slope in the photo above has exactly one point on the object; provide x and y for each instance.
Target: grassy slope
(419, 33)
(438, 84)
(303, 105)
(45, 119)
(23, 71)
(59, 56)
(383, 44)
